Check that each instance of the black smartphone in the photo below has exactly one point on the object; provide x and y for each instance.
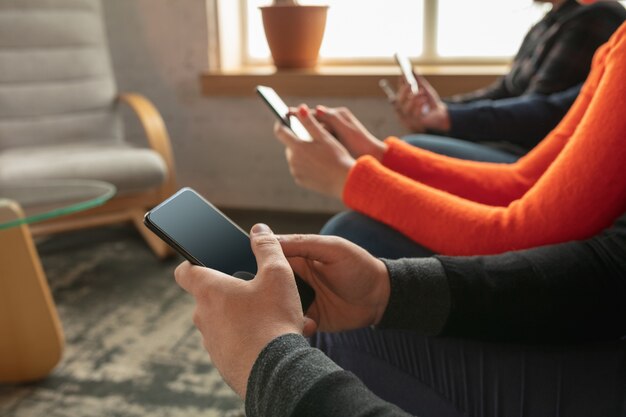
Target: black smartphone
(281, 110)
(206, 237)
(407, 71)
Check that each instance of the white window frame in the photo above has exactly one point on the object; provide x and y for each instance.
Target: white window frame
(227, 20)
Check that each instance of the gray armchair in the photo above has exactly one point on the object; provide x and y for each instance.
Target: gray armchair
(59, 115)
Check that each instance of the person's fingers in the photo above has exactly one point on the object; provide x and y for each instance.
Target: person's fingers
(407, 106)
(324, 249)
(414, 101)
(326, 116)
(423, 82)
(346, 115)
(289, 155)
(285, 135)
(333, 118)
(417, 106)
(429, 91)
(195, 279)
(312, 125)
(183, 276)
(268, 252)
(404, 94)
(351, 119)
(300, 266)
(309, 328)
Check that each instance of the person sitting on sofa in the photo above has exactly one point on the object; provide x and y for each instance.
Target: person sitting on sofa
(533, 332)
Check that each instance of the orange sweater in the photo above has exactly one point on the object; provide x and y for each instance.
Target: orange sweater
(572, 185)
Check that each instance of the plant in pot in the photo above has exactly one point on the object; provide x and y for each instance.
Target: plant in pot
(294, 33)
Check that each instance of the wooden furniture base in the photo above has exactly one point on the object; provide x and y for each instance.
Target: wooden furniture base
(31, 337)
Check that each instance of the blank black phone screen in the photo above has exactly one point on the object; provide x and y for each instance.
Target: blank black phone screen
(204, 232)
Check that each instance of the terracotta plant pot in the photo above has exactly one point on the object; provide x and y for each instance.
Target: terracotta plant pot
(294, 34)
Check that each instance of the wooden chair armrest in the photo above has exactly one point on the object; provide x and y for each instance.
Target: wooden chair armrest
(156, 133)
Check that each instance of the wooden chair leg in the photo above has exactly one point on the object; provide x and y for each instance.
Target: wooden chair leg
(161, 249)
(31, 337)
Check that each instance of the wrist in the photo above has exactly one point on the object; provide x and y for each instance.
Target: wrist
(378, 149)
(342, 178)
(382, 292)
(445, 118)
(251, 356)
(438, 119)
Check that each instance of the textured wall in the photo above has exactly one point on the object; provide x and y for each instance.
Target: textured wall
(224, 147)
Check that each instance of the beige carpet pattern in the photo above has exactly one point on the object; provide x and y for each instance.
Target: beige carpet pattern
(131, 348)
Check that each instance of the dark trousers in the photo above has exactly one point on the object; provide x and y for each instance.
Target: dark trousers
(442, 377)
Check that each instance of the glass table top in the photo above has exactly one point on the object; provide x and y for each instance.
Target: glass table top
(43, 200)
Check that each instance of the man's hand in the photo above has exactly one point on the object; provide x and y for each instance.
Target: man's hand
(346, 128)
(421, 111)
(322, 164)
(239, 318)
(351, 286)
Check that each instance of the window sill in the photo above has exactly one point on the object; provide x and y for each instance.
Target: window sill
(343, 81)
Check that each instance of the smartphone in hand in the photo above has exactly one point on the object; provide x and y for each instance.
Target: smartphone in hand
(280, 110)
(205, 236)
(407, 71)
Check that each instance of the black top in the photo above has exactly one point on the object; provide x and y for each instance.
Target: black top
(566, 292)
(556, 53)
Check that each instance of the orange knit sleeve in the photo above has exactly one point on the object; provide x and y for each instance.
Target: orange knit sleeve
(483, 182)
(577, 193)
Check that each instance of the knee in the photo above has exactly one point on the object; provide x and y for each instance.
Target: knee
(340, 224)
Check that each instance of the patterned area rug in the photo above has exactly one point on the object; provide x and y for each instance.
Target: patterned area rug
(131, 348)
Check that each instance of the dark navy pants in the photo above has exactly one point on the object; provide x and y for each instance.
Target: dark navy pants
(443, 377)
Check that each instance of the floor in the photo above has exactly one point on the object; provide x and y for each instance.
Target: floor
(131, 347)
(280, 222)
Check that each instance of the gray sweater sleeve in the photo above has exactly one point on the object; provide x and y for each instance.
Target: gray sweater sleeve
(290, 378)
(420, 296)
(284, 371)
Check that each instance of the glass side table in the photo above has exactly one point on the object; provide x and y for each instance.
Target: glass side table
(31, 336)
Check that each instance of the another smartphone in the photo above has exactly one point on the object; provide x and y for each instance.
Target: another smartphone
(407, 71)
(280, 110)
(388, 90)
(206, 237)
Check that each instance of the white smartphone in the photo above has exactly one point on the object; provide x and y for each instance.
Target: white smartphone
(280, 110)
(388, 90)
(407, 71)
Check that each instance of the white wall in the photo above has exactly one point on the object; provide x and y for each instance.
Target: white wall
(224, 147)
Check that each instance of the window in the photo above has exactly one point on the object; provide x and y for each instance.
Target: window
(483, 35)
(429, 31)
(485, 29)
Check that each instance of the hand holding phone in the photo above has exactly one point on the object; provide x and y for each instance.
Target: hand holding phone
(407, 72)
(281, 110)
(206, 237)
